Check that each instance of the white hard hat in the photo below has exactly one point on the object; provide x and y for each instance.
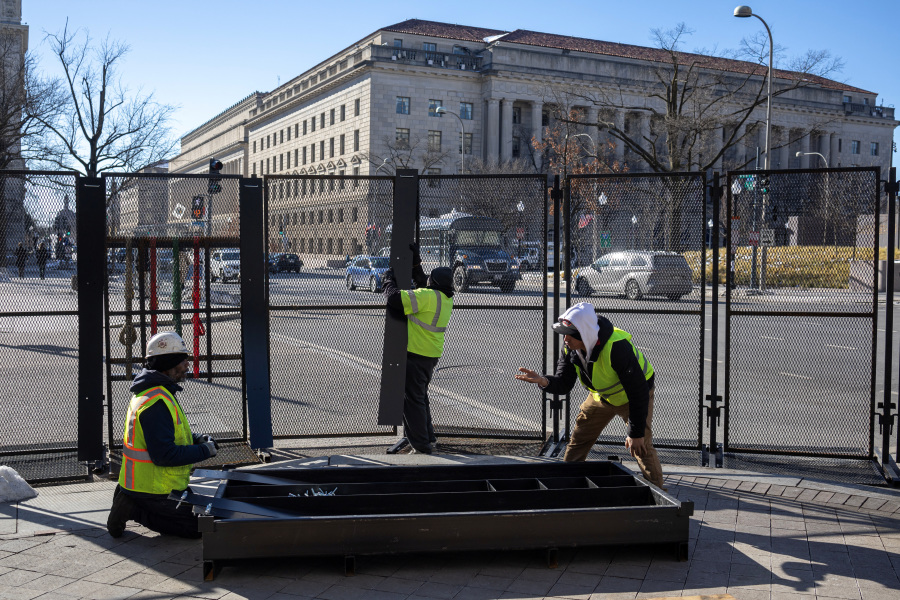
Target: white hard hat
(166, 342)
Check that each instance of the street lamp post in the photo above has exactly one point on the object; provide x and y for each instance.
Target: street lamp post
(521, 232)
(633, 223)
(462, 137)
(745, 12)
(601, 202)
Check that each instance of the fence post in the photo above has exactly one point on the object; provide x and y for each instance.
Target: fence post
(713, 411)
(90, 211)
(555, 402)
(887, 418)
(393, 362)
(255, 313)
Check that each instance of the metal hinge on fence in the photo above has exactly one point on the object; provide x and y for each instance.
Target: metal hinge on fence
(886, 419)
(713, 410)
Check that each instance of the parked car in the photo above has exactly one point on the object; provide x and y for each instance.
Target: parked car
(530, 258)
(288, 262)
(271, 260)
(636, 274)
(225, 265)
(366, 271)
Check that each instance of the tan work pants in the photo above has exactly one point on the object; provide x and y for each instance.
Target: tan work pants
(593, 418)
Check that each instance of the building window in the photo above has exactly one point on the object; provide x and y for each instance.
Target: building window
(281, 162)
(331, 148)
(854, 147)
(517, 115)
(304, 126)
(321, 216)
(312, 153)
(254, 146)
(356, 140)
(289, 133)
(429, 47)
(330, 189)
(468, 144)
(296, 130)
(312, 124)
(343, 111)
(434, 183)
(253, 172)
(465, 110)
(289, 158)
(304, 155)
(402, 137)
(322, 150)
(356, 107)
(331, 215)
(281, 139)
(341, 210)
(267, 167)
(848, 99)
(545, 119)
(873, 148)
(331, 117)
(840, 144)
(434, 141)
(268, 142)
(341, 186)
(402, 105)
(398, 43)
(355, 181)
(296, 157)
(433, 106)
(342, 144)
(322, 121)
(516, 147)
(355, 208)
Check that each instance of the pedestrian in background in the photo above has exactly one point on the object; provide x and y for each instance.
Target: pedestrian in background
(21, 257)
(41, 256)
(619, 380)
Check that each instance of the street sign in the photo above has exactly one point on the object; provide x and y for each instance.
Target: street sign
(520, 233)
(754, 238)
(767, 237)
(605, 239)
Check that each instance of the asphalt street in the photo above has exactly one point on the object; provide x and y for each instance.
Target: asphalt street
(801, 382)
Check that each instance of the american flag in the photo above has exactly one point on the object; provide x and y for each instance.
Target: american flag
(585, 219)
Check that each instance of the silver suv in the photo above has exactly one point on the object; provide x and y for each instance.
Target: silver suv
(225, 265)
(636, 274)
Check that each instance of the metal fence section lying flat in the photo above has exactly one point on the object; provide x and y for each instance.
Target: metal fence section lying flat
(802, 312)
(39, 337)
(174, 264)
(482, 228)
(326, 318)
(639, 243)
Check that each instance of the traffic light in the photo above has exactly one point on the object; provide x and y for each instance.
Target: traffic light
(774, 213)
(764, 184)
(214, 186)
(280, 227)
(198, 208)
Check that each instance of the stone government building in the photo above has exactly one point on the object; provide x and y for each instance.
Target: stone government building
(385, 88)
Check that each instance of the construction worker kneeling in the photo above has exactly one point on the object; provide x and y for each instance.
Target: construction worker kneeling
(159, 447)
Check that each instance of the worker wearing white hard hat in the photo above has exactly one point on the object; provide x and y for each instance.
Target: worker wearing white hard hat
(158, 447)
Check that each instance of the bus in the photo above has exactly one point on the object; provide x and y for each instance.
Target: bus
(468, 244)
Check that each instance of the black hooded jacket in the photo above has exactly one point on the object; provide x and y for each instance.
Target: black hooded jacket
(625, 364)
(158, 428)
(392, 292)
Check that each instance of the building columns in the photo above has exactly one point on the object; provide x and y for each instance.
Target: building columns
(493, 129)
(506, 126)
(832, 150)
(537, 130)
(805, 148)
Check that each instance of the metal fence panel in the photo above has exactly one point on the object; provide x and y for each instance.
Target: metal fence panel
(638, 244)
(39, 342)
(326, 331)
(483, 228)
(801, 312)
(162, 230)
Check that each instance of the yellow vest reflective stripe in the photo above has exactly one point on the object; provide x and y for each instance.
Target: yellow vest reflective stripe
(427, 315)
(605, 384)
(138, 473)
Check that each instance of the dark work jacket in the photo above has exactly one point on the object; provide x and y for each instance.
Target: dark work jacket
(392, 291)
(158, 428)
(624, 363)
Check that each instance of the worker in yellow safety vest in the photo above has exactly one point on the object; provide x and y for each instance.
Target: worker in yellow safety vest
(619, 380)
(159, 448)
(427, 309)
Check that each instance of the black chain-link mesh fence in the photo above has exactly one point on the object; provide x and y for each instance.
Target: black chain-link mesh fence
(638, 242)
(801, 311)
(326, 317)
(38, 318)
(173, 264)
(484, 228)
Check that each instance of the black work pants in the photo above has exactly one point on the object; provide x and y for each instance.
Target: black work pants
(160, 514)
(416, 408)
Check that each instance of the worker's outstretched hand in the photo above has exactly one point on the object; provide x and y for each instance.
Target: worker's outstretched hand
(635, 446)
(211, 447)
(529, 376)
(417, 258)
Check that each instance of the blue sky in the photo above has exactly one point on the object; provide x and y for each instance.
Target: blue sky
(205, 56)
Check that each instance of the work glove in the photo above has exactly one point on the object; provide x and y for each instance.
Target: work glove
(388, 275)
(211, 446)
(417, 258)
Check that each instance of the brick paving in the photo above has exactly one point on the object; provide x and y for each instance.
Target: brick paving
(751, 536)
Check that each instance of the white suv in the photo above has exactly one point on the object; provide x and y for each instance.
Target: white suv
(225, 265)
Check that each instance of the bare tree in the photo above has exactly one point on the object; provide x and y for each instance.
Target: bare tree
(105, 125)
(397, 153)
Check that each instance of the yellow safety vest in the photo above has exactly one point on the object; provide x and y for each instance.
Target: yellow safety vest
(605, 384)
(427, 314)
(138, 472)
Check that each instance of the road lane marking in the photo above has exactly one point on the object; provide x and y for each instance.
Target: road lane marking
(840, 347)
(375, 370)
(795, 375)
(766, 337)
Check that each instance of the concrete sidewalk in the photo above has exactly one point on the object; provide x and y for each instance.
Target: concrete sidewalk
(754, 536)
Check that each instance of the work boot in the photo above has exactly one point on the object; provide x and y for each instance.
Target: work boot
(119, 514)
